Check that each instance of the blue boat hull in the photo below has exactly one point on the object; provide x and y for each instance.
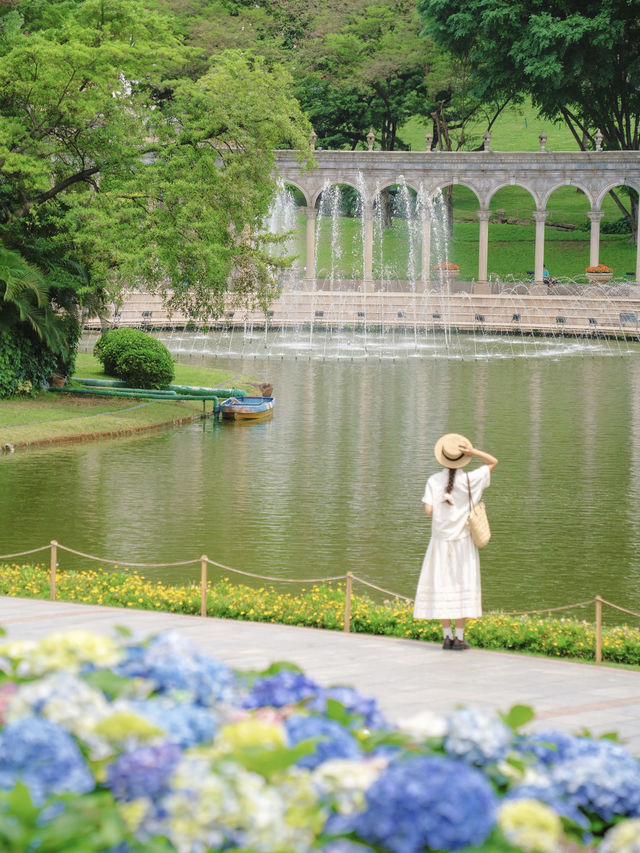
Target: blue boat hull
(246, 408)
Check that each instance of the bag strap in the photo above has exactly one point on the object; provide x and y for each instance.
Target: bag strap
(469, 488)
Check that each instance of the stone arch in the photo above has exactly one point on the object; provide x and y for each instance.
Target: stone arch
(298, 186)
(337, 182)
(549, 191)
(505, 185)
(634, 185)
(454, 182)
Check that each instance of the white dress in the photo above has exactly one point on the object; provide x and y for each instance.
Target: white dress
(449, 584)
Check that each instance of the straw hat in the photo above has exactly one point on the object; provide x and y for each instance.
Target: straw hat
(447, 451)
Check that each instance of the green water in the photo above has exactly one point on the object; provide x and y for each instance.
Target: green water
(334, 482)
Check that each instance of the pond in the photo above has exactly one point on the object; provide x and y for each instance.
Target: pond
(334, 481)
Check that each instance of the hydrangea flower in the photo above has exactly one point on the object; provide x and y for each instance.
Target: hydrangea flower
(69, 651)
(354, 702)
(425, 724)
(530, 825)
(172, 664)
(428, 802)
(65, 699)
(284, 688)
(226, 806)
(477, 736)
(344, 782)
(44, 757)
(184, 724)
(334, 740)
(546, 747)
(143, 772)
(623, 838)
(605, 783)
(251, 733)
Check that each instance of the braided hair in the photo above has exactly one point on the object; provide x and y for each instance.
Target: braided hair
(449, 489)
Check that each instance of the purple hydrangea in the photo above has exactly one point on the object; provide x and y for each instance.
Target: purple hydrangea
(428, 802)
(44, 757)
(172, 663)
(185, 725)
(143, 772)
(354, 702)
(284, 688)
(334, 740)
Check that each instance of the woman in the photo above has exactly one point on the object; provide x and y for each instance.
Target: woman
(449, 585)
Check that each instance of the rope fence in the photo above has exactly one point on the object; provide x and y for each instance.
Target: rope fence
(349, 577)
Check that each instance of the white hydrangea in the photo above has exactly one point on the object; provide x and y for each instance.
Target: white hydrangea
(345, 781)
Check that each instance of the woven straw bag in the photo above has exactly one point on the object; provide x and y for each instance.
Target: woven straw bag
(478, 521)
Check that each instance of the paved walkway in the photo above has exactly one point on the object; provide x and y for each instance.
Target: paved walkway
(406, 676)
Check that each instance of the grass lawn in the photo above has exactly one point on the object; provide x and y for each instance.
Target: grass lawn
(53, 416)
(516, 129)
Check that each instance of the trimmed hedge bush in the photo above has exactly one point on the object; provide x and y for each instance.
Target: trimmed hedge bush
(133, 356)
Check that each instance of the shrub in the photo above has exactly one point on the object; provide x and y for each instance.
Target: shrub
(133, 356)
(25, 365)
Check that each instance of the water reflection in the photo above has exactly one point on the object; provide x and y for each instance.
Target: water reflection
(333, 482)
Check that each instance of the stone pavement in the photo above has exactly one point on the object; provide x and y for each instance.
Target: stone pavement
(406, 676)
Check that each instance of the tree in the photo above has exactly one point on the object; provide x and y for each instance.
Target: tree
(579, 60)
(362, 66)
(118, 168)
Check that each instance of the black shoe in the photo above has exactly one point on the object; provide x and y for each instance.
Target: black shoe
(448, 643)
(459, 645)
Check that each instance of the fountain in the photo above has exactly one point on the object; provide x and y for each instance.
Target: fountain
(341, 310)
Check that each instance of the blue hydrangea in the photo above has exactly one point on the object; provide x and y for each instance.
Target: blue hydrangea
(546, 747)
(143, 772)
(477, 736)
(44, 757)
(428, 802)
(605, 782)
(354, 702)
(334, 740)
(184, 724)
(172, 663)
(284, 688)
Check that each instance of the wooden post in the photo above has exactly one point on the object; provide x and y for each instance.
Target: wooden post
(598, 629)
(347, 603)
(203, 585)
(53, 561)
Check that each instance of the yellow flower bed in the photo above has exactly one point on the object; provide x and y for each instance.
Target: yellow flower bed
(320, 607)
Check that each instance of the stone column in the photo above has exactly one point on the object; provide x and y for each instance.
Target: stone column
(426, 248)
(594, 244)
(540, 217)
(310, 276)
(367, 249)
(638, 247)
(482, 284)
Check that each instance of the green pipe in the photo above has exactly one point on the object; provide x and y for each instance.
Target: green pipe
(124, 392)
(191, 390)
(199, 392)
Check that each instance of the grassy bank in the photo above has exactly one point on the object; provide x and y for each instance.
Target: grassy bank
(54, 417)
(322, 607)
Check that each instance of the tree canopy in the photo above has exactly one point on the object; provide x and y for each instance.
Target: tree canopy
(579, 60)
(126, 156)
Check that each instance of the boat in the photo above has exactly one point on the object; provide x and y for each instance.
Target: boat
(246, 408)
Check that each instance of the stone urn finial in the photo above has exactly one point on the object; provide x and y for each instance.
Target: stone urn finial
(371, 137)
(312, 139)
(598, 139)
(543, 142)
(486, 139)
(428, 139)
